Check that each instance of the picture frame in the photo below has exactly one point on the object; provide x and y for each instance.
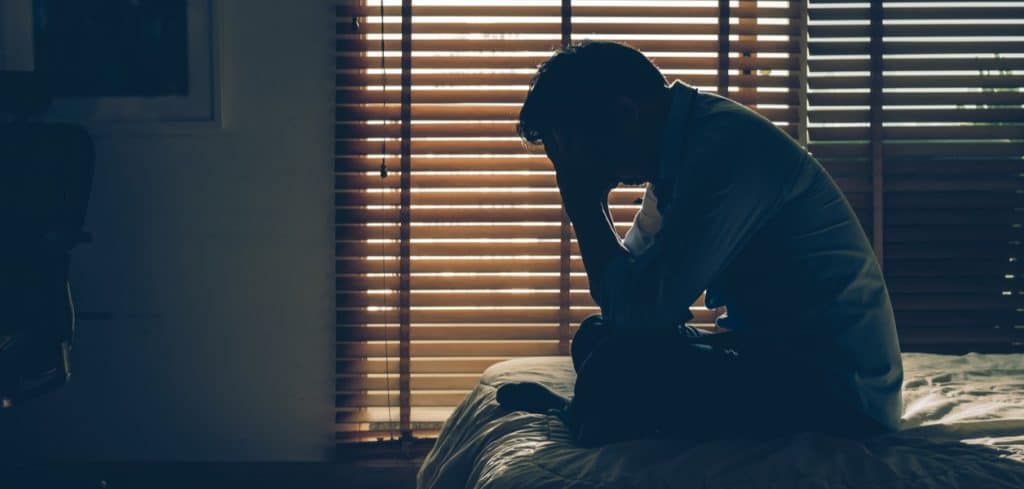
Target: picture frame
(198, 109)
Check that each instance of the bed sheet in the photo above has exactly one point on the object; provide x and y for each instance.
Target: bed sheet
(963, 427)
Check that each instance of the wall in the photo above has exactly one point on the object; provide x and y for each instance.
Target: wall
(212, 262)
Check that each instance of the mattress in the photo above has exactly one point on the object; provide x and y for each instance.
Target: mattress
(963, 427)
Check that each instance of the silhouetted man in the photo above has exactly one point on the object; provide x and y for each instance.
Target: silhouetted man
(733, 206)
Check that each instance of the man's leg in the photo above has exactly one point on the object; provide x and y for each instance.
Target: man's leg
(698, 386)
(641, 382)
(693, 385)
(798, 382)
(533, 397)
(594, 330)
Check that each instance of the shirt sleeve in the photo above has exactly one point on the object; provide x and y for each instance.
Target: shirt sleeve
(724, 193)
(646, 224)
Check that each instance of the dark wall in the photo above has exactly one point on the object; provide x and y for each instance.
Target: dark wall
(210, 274)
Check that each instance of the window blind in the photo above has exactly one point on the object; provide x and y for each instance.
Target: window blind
(916, 108)
(953, 143)
(461, 256)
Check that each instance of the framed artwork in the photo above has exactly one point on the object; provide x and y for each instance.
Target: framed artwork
(109, 62)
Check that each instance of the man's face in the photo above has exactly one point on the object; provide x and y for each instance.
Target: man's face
(613, 156)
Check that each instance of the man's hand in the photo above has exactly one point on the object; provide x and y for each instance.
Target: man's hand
(585, 198)
(580, 181)
(580, 186)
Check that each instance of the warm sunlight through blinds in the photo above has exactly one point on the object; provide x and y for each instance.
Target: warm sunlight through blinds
(465, 259)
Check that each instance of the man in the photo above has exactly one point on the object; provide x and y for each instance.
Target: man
(736, 207)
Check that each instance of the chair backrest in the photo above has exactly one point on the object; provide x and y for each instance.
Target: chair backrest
(45, 176)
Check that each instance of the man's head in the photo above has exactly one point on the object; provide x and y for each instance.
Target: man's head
(601, 105)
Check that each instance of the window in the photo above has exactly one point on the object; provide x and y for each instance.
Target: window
(916, 108)
(461, 257)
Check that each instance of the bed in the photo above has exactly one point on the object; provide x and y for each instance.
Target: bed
(963, 427)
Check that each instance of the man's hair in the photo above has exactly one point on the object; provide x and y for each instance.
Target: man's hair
(569, 87)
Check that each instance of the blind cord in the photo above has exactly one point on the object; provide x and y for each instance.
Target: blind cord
(383, 261)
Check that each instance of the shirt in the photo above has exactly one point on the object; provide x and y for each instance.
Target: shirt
(741, 210)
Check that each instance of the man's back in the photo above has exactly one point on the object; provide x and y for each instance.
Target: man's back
(805, 269)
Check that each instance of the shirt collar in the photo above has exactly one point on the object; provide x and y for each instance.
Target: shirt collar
(681, 96)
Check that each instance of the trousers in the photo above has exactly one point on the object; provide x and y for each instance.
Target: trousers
(689, 384)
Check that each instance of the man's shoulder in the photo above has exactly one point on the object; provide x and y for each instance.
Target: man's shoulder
(714, 112)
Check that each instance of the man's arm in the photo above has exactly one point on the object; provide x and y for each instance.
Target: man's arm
(586, 203)
(727, 195)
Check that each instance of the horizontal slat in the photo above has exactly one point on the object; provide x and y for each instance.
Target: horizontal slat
(381, 416)
(978, 251)
(417, 398)
(983, 115)
(1008, 183)
(544, 179)
(352, 383)
(457, 60)
(447, 214)
(965, 63)
(950, 268)
(463, 297)
(419, 365)
(421, 111)
(922, 132)
(914, 47)
(464, 332)
(450, 332)
(581, 25)
(421, 282)
(512, 45)
(935, 98)
(476, 316)
(345, 12)
(468, 230)
(924, 149)
(357, 197)
(959, 200)
(985, 235)
(457, 248)
(509, 146)
(909, 11)
(964, 29)
(962, 149)
(534, 162)
(930, 81)
(427, 349)
(920, 320)
(954, 217)
(490, 264)
(475, 112)
(423, 83)
(346, 96)
(584, 26)
(952, 302)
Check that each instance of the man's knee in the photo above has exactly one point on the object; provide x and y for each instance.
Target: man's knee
(590, 333)
(592, 321)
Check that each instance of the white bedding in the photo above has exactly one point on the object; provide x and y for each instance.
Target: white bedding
(963, 428)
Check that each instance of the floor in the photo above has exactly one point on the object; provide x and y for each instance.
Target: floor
(368, 474)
